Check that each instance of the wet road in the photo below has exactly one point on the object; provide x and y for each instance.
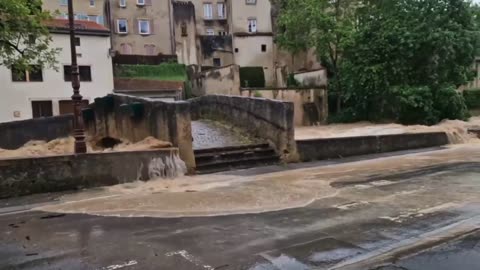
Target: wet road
(365, 223)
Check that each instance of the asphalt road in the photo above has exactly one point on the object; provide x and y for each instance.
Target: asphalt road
(402, 219)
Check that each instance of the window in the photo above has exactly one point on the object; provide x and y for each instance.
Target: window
(63, 2)
(210, 32)
(122, 3)
(92, 3)
(141, 2)
(35, 74)
(122, 26)
(264, 47)
(66, 106)
(144, 27)
(42, 108)
(236, 50)
(222, 33)
(207, 11)
(77, 41)
(150, 49)
(221, 10)
(184, 30)
(217, 62)
(85, 73)
(252, 25)
(251, 2)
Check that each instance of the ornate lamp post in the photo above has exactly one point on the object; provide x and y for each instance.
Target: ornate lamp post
(78, 133)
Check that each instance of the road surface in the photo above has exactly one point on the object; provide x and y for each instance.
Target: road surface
(401, 212)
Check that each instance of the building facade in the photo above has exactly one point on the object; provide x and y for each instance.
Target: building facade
(141, 27)
(89, 10)
(41, 93)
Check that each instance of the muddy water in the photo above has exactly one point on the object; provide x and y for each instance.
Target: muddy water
(65, 146)
(463, 254)
(455, 129)
(225, 194)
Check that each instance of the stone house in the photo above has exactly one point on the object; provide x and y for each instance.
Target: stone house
(89, 10)
(41, 93)
(140, 27)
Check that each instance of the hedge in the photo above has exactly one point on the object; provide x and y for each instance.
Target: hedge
(252, 77)
(472, 98)
(164, 71)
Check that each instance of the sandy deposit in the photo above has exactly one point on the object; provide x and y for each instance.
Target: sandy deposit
(65, 146)
(456, 130)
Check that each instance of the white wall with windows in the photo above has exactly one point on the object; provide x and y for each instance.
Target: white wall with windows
(38, 92)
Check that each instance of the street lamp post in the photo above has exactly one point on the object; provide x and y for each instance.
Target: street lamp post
(78, 133)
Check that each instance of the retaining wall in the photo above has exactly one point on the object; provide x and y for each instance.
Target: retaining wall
(15, 134)
(135, 118)
(332, 148)
(71, 172)
(271, 120)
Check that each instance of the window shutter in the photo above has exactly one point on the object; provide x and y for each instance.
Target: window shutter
(152, 28)
(148, 2)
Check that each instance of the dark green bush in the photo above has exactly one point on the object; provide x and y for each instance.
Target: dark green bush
(472, 98)
(252, 77)
(291, 81)
(450, 104)
(414, 105)
(165, 71)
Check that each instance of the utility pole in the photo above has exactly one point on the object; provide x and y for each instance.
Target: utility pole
(78, 129)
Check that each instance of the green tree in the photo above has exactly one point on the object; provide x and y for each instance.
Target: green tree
(324, 25)
(414, 45)
(24, 39)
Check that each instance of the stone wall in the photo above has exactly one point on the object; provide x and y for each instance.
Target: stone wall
(135, 118)
(312, 78)
(271, 120)
(332, 148)
(310, 104)
(218, 81)
(72, 172)
(15, 134)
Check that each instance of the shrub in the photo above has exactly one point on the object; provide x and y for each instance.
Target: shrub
(472, 98)
(414, 105)
(164, 71)
(252, 77)
(291, 81)
(450, 104)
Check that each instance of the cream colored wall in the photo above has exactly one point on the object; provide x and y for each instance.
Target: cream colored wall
(251, 55)
(316, 78)
(17, 96)
(222, 81)
(298, 97)
(241, 12)
(158, 12)
(214, 24)
(79, 6)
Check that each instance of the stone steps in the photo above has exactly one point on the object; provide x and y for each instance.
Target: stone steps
(234, 157)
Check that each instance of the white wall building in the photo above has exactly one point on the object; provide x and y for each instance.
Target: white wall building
(48, 92)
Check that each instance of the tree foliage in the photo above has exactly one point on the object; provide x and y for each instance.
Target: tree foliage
(24, 39)
(390, 59)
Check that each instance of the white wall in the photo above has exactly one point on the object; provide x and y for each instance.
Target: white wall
(17, 96)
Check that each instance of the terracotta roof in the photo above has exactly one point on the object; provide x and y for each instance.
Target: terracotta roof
(81, 26)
